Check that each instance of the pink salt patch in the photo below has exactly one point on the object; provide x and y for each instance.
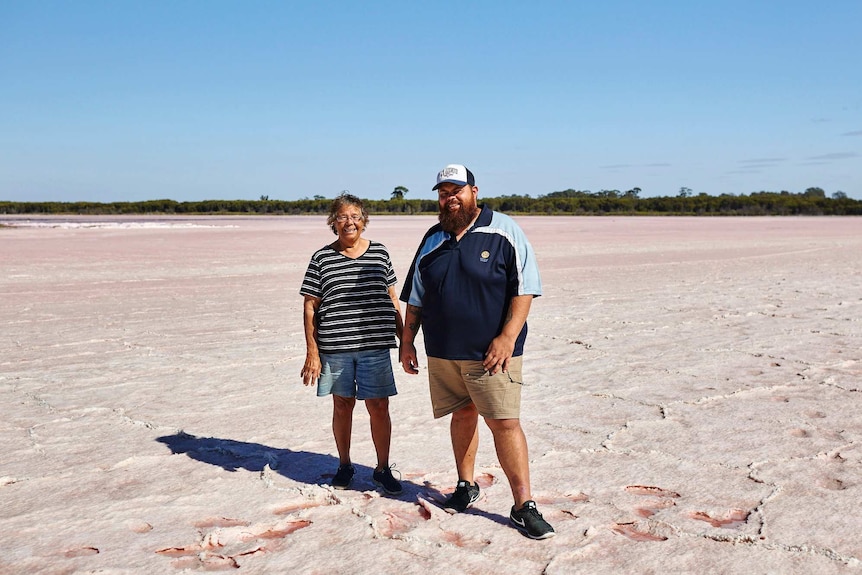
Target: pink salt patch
(288, 509)
(221, 522)
(833, 484)
(186, 563)
(631, 531)
(568, 498)
(455, 539)
(205, 562)
(733, 519)
(189, 550)
(284, 531)
(485, 480)
(652, 507)
(424, 508)
(218, 563)
(140, 527)
(394, 524)
(254, 551)
(81, 552)
(211, 541)
(650, 490)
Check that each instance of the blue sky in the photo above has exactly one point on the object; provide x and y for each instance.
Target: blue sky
(189, 100)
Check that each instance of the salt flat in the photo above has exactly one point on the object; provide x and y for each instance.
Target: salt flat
(692, 404)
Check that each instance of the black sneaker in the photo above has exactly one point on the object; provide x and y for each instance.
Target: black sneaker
(529, 521)
(463, 497)
(343, 476)
(384, 479)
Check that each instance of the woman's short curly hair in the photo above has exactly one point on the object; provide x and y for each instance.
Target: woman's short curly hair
(345, 199)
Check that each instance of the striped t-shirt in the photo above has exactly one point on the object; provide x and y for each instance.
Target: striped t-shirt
(356, 312)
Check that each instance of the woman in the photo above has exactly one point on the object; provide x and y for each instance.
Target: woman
(352, 316)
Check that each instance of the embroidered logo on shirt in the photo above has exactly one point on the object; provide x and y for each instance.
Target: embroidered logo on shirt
(483, 257)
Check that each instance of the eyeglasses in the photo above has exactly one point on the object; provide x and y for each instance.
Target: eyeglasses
(356, 218)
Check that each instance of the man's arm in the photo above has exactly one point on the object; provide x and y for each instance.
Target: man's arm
(407, 353)
(503, 346)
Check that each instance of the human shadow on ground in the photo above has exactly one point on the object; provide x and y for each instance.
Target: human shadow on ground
(301, 466)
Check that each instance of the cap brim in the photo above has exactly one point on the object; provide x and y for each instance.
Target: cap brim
(459, 182)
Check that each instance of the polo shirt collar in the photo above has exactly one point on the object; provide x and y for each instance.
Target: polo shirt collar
(483, 220)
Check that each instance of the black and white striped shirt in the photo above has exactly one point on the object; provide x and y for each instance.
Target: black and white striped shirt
(356, 312)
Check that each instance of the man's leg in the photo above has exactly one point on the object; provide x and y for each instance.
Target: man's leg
(464, 430)
(511, 445)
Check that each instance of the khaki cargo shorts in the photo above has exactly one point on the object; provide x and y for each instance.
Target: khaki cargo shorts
(454, 383)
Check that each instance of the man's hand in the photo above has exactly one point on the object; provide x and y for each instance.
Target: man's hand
(407, 355)
(502, 347)
(498, 354)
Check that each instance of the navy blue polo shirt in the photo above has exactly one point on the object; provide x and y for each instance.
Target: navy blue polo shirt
(465, 287)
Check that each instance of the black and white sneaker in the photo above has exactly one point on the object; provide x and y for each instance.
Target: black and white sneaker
(530, 522)
(383, 478)
(463, 497)
(343, 476)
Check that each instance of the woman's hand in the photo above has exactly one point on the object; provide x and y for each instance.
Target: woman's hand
(311, 370)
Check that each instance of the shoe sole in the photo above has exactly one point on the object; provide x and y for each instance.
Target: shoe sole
(524, 531)
(453, 511)
(342, 487)
(380, 485)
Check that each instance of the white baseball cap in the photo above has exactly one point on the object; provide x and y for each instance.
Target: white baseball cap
(455, 174)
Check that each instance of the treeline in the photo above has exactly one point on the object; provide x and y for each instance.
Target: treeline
(569, 202)
(812, 202)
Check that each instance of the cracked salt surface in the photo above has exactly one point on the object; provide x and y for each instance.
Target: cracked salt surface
(691, 405)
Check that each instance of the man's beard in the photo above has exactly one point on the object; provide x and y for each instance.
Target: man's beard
(457, 221)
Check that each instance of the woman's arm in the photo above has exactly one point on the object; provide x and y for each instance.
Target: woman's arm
(311, 369)
(399, 322)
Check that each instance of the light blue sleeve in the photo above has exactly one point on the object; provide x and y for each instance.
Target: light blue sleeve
(529, 280)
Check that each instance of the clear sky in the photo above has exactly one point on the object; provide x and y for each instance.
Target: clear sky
(190, 100)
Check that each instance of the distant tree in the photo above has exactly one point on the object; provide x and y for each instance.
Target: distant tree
(684, 192)
(815, 193)
(319, 197)
(633, 193)
(839, 195)
(264, 198)
(398, 192)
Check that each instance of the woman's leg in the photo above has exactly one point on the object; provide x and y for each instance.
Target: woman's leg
(381, 429)
(342, 425)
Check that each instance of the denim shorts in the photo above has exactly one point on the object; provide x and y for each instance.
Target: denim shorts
(360, 374)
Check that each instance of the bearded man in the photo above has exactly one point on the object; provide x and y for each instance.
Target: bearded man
(470, 288)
